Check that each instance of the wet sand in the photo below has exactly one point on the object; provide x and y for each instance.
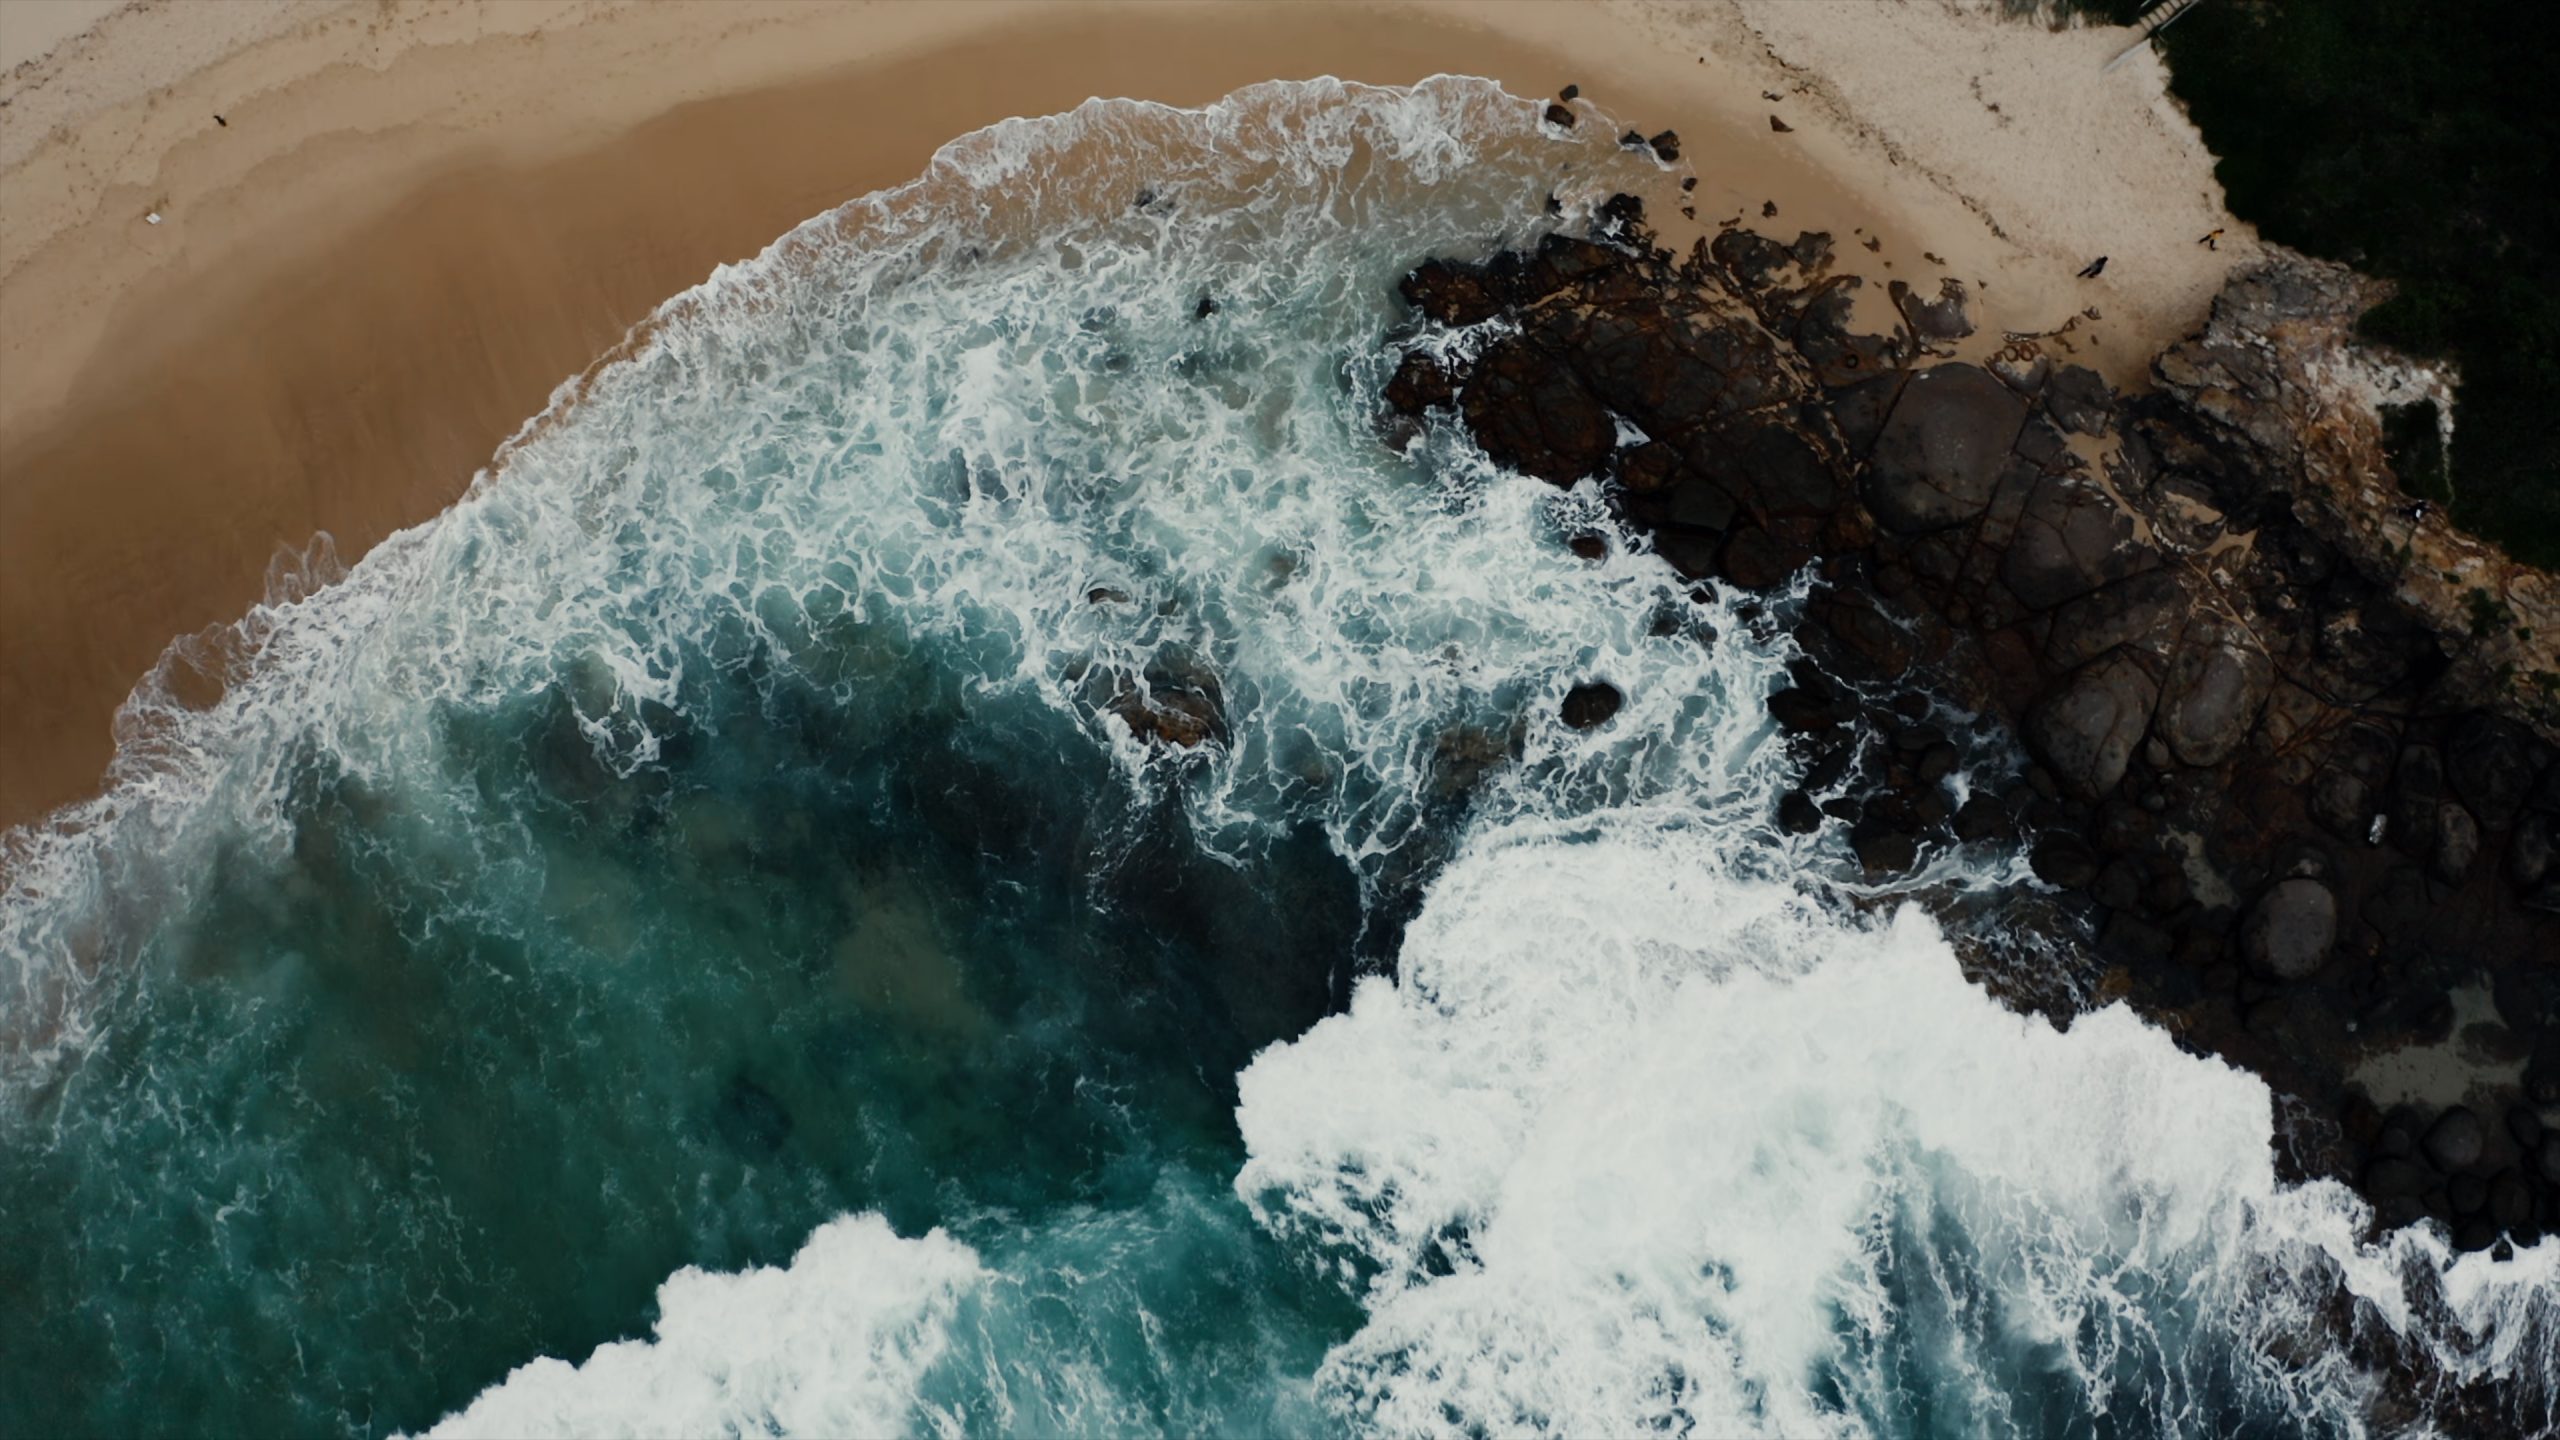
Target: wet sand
(417, 222)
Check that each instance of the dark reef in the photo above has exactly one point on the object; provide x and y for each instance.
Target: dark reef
(2284, 754)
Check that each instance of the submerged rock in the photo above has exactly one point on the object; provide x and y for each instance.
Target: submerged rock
(1175, 703)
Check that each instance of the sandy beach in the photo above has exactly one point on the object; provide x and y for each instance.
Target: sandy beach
(411, 222)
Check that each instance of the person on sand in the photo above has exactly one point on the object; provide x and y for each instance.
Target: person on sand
(2211, 239)
(2094, 268)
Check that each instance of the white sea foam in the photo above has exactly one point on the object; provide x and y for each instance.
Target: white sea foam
(1632, 1146)
(832, 1344)
(1643, 1137)
(951, 411)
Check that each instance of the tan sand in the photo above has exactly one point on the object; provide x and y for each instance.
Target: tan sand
(420, 217)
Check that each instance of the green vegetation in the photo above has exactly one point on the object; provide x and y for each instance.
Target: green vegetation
(2414, 141)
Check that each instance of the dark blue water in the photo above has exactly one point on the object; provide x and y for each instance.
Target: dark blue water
(700, 938)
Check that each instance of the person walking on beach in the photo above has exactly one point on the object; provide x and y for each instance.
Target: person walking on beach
(2211, 239)
(2094, 268)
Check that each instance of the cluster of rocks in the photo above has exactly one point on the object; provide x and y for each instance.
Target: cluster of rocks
(2269, 772)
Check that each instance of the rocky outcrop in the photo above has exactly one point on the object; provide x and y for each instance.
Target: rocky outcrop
(2278, 380)
(2278, 768)
(1175, 703)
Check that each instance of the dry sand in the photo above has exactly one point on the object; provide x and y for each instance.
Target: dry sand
(420, 217)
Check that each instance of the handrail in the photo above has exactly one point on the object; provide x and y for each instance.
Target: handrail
(2158, 18)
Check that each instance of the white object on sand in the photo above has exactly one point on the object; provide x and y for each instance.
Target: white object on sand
(151, 219)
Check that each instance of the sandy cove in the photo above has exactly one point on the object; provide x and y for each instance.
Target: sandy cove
(415, 220)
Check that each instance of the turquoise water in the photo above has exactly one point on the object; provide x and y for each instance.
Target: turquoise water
(698, 912)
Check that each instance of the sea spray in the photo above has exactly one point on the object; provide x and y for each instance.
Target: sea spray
(718, 848)
(725, 816)
(1631, 1144)
(857, 1306)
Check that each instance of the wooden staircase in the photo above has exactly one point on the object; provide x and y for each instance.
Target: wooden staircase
(2153, 21)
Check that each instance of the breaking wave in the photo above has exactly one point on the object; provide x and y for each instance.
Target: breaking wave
(739, 841)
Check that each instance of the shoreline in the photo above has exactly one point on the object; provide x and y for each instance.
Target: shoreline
(2328, 865)
(414, 225)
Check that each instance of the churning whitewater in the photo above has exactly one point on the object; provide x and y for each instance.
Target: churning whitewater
(724, 909)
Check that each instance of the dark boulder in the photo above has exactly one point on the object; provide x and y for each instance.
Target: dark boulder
(2525, 1126)
(2063, 860)
(1534, 416)
(2213, 693)
(2185, 514)
(2417, 792)
(1756, 559)
(1883, 850)
(2078, 399)
(2529, 855)
(1420, 382)
(2456, 1140)
(1938, 456)
(2146, 612)
(1451, 293)
(1692, 553)
(1177, 703)
(1805, 711)
(2087, 731)
(1559, 116)
(2457, 842)
(1983, 818)
(2119, 886)
(2391, 1175)
(1860, 410)
(2510, 1201)
(1653, 466)
(1865, 629)
(1830, 767)
(1591, 703)
(2292, 929)
(2072, 539)
(2485, 758)
(2343, 803)
(1797, 814)
(1933, 321)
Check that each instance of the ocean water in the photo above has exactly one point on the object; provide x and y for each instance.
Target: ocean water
(688, 941)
